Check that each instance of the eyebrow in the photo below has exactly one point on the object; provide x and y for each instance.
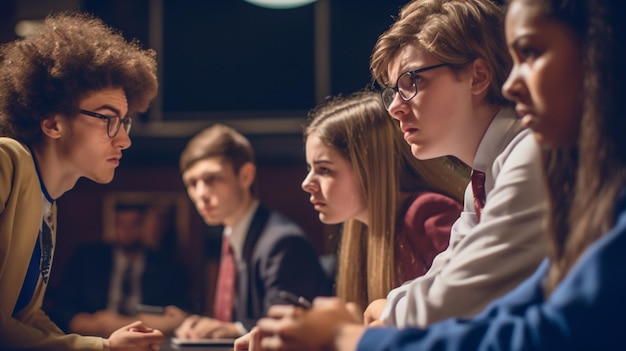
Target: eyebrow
(110, 108)
(317, 162)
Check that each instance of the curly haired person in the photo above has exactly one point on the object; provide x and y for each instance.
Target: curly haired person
(67, 94)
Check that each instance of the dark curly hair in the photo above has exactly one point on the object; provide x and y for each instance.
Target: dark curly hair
(72, 55)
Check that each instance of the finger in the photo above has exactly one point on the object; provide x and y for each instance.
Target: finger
(271, 343)
(242, 343)
(186, 326)
(355, 311)
(255, 340)
(376, 323)
(326, 301)
(138, 326)
(268, 326)
(219, 333)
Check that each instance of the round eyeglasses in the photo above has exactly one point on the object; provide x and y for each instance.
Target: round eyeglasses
(113, 122)
(406, 85)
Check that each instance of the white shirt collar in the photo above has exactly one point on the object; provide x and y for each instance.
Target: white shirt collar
(503, 128)
(237, 234)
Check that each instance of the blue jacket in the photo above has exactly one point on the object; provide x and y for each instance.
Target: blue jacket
(587, 311)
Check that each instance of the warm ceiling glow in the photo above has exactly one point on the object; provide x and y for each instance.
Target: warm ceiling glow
(280, 4)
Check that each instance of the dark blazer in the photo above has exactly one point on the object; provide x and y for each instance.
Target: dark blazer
(277, 255)
(85, 283)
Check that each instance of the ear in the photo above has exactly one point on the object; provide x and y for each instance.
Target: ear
(247, 173)
(481, 76)
(52, 126)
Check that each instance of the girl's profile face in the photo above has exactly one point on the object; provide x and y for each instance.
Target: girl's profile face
(332, 184)
(546, 79)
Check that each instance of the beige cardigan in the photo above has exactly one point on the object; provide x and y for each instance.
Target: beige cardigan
(21, 204)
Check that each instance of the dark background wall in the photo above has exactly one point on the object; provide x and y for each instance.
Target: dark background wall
(255, 69)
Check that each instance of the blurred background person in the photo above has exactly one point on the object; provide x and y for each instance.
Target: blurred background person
(263, 251)
(105, 284)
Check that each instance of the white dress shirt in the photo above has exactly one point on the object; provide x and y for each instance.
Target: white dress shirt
(485, 259)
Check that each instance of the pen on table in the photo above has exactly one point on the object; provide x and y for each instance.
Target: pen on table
(290, 297)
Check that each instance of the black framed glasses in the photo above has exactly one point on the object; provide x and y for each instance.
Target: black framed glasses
(406, 85)
(113, 122)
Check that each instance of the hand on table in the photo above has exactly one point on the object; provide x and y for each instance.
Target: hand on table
(135, 336)
(329, 325)
(198, 327)
(166, 322)
(250, 341)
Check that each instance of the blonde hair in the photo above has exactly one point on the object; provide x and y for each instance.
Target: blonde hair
(456, 32)
(359, 127)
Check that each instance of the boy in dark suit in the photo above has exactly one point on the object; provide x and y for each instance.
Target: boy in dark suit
(263, 252)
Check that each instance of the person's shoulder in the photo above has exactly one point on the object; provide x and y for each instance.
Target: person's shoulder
(279, 222)
(427, 197)
(522, 149)
(428, 203)
(13, 148)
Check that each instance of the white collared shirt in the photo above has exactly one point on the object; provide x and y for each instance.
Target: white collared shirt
(485, 259)
(237, 234)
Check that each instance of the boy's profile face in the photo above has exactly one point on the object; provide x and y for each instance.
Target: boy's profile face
(217, 191)
(82, 142)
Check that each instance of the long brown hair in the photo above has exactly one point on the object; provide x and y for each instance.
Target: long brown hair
(359, 127)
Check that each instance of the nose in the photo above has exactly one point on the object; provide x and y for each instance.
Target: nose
(122, 139)
(307, 184)
(513, 87)
(397, 107)
(202, 191)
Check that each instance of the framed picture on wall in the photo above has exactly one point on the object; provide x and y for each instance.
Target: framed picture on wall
(163, 216)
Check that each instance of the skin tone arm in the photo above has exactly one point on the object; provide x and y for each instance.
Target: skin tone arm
(103, 323)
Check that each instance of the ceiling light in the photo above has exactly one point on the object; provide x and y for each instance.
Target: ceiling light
(280, 4)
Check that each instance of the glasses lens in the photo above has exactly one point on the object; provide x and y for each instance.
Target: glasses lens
(128, 122)
(116, 122)
(387, 95)
(407, 86)
(114, 126)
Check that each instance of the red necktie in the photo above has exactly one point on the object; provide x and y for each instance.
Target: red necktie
(225, 294)
(478, 188)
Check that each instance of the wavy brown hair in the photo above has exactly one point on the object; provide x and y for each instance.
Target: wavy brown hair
(455, 32)
(72, 55)
(359, 127)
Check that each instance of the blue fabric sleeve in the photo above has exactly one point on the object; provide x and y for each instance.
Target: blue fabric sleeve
(587, 311)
